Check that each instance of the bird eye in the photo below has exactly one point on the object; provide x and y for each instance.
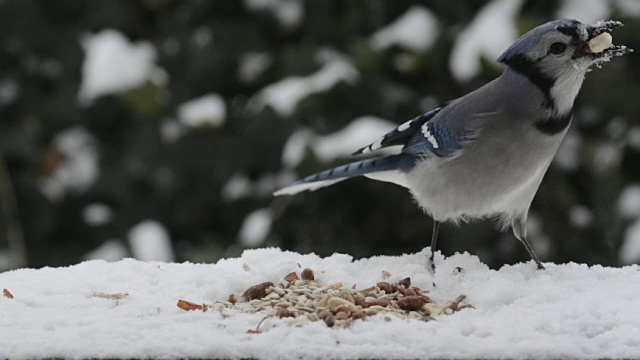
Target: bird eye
(557, 48)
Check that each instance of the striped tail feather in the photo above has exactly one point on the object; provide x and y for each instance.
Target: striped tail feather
(389, 168)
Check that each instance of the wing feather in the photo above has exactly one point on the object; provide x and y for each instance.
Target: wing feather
(400, 135)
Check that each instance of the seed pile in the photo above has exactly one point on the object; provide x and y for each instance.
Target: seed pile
(304, 300)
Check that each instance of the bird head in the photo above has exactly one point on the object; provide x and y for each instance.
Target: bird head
(555, 56)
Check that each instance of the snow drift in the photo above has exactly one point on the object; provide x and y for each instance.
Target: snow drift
(127, 309)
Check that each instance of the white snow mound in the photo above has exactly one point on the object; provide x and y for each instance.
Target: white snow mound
(208, 109)
(283, 96)
(566, 311)
(113, 64)
(490, 33)
(415, 30)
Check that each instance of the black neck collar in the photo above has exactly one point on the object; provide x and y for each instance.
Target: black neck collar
(530, 70)
(555, 123)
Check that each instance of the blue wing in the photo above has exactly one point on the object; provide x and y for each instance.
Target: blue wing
(434, 138)
(400, 135)
(420, 136)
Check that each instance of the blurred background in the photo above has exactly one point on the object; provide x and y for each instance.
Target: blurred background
(158, 129)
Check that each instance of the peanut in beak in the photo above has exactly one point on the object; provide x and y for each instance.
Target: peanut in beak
(600, 43)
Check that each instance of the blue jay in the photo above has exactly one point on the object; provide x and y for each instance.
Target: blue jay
(485, 154)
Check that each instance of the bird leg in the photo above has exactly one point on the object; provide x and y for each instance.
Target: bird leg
(434, 240)
(519, 226)
(533, 255)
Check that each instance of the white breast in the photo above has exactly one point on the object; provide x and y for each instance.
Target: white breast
(566, 88)
(520, 195)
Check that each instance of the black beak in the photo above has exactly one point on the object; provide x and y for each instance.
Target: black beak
(598, 29)
(602, 27)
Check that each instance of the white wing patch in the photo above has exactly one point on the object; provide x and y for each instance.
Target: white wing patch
(429, 136)
(400, 135)
(378, 143)
(404, 126)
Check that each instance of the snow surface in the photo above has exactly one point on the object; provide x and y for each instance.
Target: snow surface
(342, 143)
(9, 91)
(113, 64)
(283, 96)
(358, 133)
(208, 109)
(252, 65)
(416, 30)
(240, 186)
(289, 13)
(629, 201)
(172, 130)
(79, 168)
(566, 311)
(591, 11)
(110, 250)
(630, 249)
(580, 216)
(633, 137)
(202, 36)
(255, 227)
(7, 258)
(588, 11)
(150, 241)
(97, 214)
(296, 146)
(568, 156)
(490, 33)
(628, 7)
(607, 156)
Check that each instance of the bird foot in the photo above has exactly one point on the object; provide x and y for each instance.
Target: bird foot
(431, 265)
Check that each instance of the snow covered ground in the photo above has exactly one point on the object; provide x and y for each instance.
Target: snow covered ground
(566, 311)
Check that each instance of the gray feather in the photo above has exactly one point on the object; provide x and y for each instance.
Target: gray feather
(396, 164)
